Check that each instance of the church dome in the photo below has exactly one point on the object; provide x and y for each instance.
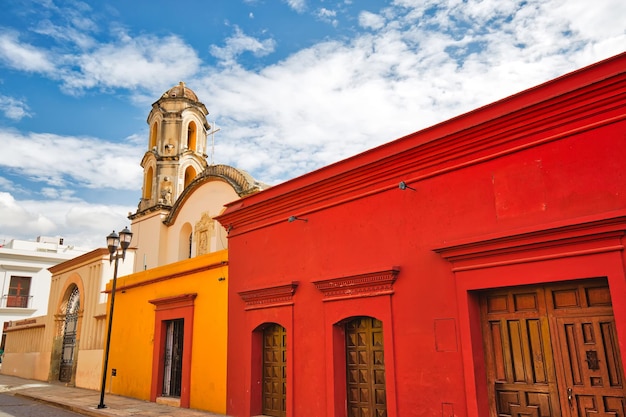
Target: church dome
(180, 91)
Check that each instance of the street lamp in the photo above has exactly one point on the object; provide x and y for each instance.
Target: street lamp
(113, 242)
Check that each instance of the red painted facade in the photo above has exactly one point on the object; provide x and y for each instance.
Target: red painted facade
(526, 191)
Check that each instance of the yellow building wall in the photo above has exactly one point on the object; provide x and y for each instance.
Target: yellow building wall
(132, 336)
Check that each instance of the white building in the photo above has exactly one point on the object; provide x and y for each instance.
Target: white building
(24, 276)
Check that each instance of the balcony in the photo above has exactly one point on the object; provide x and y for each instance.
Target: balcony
(16, 301)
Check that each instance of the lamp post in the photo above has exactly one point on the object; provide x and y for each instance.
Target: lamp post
(113, 242)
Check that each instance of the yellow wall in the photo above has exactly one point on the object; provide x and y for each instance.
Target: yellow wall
(132, 337)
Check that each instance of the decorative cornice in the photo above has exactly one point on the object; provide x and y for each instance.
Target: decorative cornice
(17, 325)
(177, 301)
(279, 295)
(584, 236)
(163, 208)
(369, 284)
(95, 255)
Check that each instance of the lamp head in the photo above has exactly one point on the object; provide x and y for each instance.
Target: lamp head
(113, 241)
(125, 237)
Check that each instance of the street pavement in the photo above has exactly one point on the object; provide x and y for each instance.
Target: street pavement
(84, 401)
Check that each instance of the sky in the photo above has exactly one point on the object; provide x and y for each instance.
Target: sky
(292, 86)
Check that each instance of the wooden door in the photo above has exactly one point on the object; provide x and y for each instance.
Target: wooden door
(537, 341)
(274, 371)
(520, 362)
(365, 363)
(589, 356)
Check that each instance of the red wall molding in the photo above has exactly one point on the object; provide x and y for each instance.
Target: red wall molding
(269, 296)
(584, 237)
(363, 285)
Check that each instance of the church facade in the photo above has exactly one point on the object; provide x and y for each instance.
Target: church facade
(168, 339)
(475, 268)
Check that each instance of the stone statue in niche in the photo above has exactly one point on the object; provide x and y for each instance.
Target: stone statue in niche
(204, 230)
(166, 191)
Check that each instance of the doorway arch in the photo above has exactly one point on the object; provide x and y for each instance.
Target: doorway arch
(70, 331)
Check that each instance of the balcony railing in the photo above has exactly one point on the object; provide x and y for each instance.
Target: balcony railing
(16, 301)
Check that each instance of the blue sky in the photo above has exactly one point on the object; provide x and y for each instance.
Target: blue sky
(293, 85)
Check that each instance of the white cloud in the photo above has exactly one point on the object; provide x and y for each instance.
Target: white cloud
(5, 184)
(71, 161)
(24, 57)
(371, 20)
(240, 43)
(15, 219)
(13, 108)
(73, 220)
(327, 15)
(298, 5)
(65, 33)
(132, 63)
(598, 22)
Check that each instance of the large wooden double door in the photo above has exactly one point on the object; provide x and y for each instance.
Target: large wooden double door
(552, 351)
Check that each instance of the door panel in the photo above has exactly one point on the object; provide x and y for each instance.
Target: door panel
(553, 351)
(522, 381)
(593, 377)
(365, 363)
(274, 371)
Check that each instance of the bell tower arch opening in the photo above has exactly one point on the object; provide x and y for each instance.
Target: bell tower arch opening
(192, 135)
(147, 184)
(153, 136)
(190, 175)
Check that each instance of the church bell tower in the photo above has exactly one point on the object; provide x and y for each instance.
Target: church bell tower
(176, 148)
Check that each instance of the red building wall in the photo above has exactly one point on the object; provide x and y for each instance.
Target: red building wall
(528, 190)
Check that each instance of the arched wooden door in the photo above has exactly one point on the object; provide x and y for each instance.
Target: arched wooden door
(552, 351)
(274, 371)
(365, 363)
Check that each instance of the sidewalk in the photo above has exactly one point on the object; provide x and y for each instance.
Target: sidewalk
(84, 401)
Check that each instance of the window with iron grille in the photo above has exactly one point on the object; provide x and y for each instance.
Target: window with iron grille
(19, 292)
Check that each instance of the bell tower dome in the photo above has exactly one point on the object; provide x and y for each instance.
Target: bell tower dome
(176, 148)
